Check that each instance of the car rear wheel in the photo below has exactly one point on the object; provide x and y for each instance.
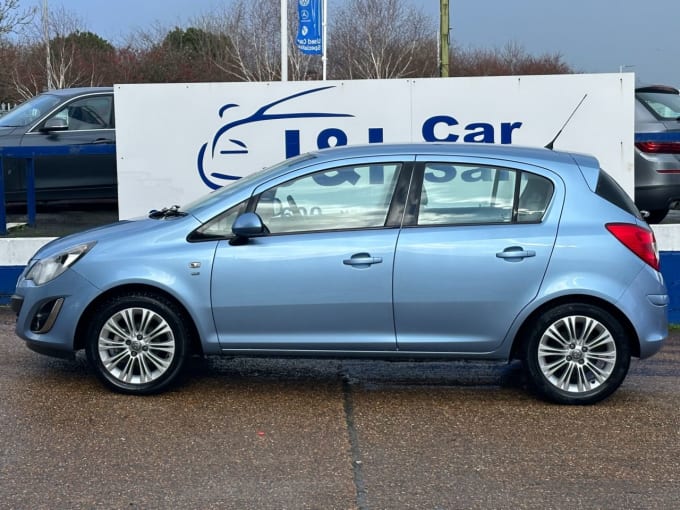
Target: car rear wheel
(577, 354)
(656, 216)
(137, 343)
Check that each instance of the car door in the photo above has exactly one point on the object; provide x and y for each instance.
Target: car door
(473, 254)
(83, 121)
(321, 278)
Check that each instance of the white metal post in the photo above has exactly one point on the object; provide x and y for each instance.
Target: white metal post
(284, 40)
(324, 40)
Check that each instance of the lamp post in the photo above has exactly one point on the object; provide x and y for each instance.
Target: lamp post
(46, 35)
(444, 38)
(284, 40)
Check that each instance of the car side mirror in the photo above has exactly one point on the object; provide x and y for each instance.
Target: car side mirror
(54, 124)
(248, 225)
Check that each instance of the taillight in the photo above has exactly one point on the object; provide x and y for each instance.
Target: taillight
(639, 240)
(659, 147)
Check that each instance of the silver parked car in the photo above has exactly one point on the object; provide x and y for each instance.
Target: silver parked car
(422, 251)
(657, 150)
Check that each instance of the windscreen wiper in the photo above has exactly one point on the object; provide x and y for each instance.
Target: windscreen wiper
(166, 212)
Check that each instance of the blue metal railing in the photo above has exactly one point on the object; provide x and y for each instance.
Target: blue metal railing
(29, 154)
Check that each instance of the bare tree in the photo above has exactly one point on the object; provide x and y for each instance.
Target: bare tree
(252, 51)
(381, 39)
(61, 72)
(253, 29)
(511, 59)
(12, 19)
(68, 43)
(241, 42)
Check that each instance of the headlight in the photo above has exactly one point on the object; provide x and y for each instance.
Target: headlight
(48, 269)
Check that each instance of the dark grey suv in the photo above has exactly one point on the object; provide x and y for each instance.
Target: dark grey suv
(657, 150)
(75, 118)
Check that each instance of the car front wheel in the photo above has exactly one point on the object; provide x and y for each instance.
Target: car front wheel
(577, 354)
(137, 343)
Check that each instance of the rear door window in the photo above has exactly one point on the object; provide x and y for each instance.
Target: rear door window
(454, 194)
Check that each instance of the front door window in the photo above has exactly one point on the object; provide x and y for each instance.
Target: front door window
(352, 197)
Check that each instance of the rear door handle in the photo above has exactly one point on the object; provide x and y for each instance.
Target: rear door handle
(515, 252)
(362, 260)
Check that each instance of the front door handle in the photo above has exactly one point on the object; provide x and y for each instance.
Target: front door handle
(362, 260)
(515, 252)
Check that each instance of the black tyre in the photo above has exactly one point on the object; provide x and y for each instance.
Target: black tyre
(137, 343)
(577, 354)
(656, 216)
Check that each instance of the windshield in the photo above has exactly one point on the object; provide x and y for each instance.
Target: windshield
(29, 111)
(245, 181)
(664, 106)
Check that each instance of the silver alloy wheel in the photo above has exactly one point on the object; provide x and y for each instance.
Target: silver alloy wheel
(577, 354)
(136, 345)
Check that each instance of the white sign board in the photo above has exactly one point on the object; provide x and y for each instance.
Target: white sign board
(176, 142)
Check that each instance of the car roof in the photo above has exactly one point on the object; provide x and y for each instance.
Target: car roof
(662, 89)
(537, 155)
(78, 91)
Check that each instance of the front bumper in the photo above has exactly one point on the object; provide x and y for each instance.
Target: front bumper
(15, 303)
(48, 315)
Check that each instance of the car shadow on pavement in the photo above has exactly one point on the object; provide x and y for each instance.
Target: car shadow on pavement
(368, 374)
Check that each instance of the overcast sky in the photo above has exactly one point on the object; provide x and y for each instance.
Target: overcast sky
(597, 36)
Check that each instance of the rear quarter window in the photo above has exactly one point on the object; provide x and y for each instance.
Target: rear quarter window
(612, 192)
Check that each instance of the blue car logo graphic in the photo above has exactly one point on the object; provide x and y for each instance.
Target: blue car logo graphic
(215, 180)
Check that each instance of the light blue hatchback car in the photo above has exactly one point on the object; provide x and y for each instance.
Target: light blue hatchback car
(414, 251)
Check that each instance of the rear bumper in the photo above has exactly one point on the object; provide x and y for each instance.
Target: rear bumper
(645, 303)
(657, 180)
